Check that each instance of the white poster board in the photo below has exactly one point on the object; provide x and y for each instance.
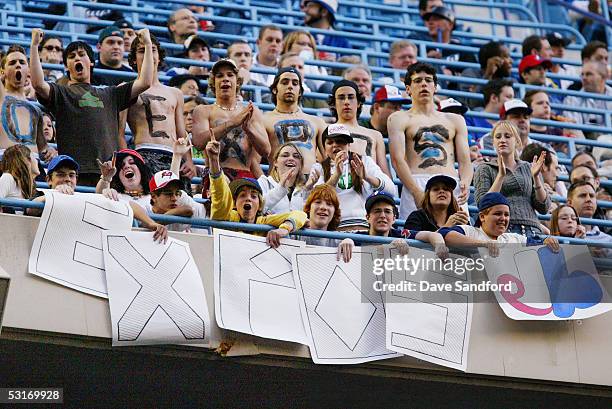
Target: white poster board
(428, 316)
(67, 248)
(254, 288)
(155, 291)
(344, 317)
(547, 285)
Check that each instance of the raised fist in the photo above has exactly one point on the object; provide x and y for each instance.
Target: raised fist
(37, 37)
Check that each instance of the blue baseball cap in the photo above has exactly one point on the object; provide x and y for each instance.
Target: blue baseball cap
(446, 180)
(378, 197)
(492, 199)
(62, 160)
(110, 31)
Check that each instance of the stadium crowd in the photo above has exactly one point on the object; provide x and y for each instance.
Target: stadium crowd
(135, 140)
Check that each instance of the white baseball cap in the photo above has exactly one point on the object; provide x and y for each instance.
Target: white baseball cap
(161, 180)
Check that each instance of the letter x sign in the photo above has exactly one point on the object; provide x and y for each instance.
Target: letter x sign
(156, 290)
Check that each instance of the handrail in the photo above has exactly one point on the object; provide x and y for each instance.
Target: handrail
(585, 13)
(321, 96)
(229, 37)
(347, 33)
(20, 203)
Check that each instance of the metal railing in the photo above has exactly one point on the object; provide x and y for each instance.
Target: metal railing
(20, 203)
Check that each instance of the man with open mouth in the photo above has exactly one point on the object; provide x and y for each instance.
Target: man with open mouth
(236, 126)
(156, 118)
(87, 117)
(424, 142)
(21, 121)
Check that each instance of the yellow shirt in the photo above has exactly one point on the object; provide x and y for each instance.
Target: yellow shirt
(222, 208)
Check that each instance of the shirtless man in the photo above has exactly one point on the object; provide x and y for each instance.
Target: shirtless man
(425, 142)
(237, 126)
(21, 119)
(287, 122)
(345, 104)
(156, 118)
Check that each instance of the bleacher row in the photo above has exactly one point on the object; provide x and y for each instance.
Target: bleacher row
(370, 26)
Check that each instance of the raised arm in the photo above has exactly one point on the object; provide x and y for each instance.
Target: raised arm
(272, 138)
(381, 154)
(397, 147)
(462, 155)
(256, 132)
(201, 126)
(145, 76)
(43, 90)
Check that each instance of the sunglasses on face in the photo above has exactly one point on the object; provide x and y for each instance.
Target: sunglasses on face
(53, 48)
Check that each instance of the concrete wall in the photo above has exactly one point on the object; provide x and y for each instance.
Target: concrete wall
(566, 351)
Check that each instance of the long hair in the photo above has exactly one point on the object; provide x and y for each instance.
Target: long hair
(326, 164)
(16, 162)
(299, 180)
(327, 193)
(453, 206)
(293, 36)
(145, 176)
(554, 219)
(510, 127)
(134, 50)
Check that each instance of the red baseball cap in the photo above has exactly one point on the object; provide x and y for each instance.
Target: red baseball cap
(390, 93)
(161, 179)
(533, 60)
(119, 155)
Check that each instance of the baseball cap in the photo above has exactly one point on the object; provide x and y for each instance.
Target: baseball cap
(224, 61)
(556, 39)
(193, 40)
(514, 105)
(337, 131)
(120, 155)
(238, 184)
(62, 160)
(447, 180)
(491, 199)
(389, 93)
(123, 23)
(531, 61)
(440, 11)
(452, 105)
(109, 31)
(161, 179)
(380, 197)
(293, 70)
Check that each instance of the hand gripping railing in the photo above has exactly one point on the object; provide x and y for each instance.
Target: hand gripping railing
(261, 228)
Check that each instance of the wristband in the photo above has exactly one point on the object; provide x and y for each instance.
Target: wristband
(287, 225)
(216, 175)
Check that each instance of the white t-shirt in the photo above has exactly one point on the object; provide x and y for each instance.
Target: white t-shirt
(9, 188)
(478, 234)
(199, 211)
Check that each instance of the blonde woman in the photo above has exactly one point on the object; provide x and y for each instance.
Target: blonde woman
(283, 189)
(304, 44)
(520, 182)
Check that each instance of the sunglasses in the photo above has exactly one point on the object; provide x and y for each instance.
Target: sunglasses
(53, 48)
